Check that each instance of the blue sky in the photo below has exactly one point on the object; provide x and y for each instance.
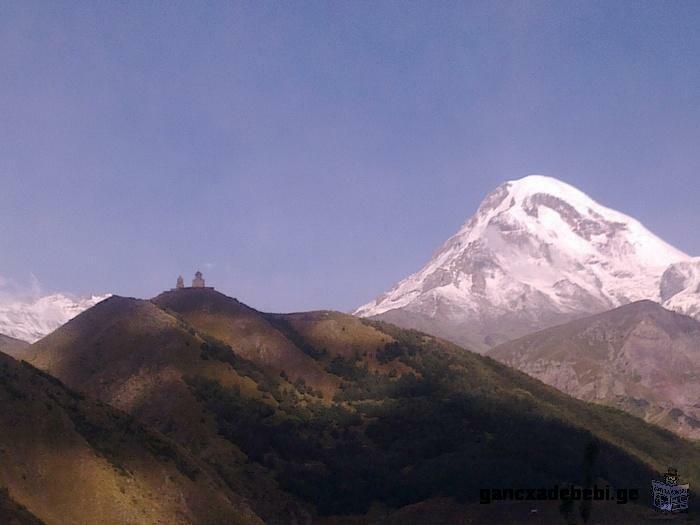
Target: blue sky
(309, 154)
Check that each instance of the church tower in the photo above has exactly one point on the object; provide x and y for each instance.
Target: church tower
(198, 281)
(180, 283)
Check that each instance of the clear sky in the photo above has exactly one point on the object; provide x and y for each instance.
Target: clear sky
(309, 154)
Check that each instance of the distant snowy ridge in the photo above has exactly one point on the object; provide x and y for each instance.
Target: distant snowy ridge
(31, 320)
(537, 251)
(680, 287)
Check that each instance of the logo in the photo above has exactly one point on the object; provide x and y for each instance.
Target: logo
(670, 495)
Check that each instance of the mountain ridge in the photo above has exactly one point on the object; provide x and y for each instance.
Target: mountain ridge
(640, 357)
(372, 441)
(11, 346)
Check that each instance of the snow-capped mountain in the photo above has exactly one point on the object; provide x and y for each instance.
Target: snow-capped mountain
(536, 253)
(680, 287)
(33, 319)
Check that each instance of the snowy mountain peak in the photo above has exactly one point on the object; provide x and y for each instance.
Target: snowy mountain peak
(561, 213)
(680, 287)
(30, 320)
(523, 189)
(536, 250)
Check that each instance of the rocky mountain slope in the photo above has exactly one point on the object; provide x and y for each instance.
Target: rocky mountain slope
(11, 346)
(640, 358)
(372, 421)
(65, 459)
(30, 320)
(537, 252)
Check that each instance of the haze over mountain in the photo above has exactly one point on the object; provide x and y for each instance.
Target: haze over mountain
(640, 358)
(31, 319)
(320, 414)
(537, 252)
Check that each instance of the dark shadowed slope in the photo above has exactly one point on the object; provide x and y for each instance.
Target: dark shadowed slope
(11, 513)
(412, 418)
(640, 357)
(69, 460)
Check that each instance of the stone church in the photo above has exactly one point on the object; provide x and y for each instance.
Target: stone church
(197, 282)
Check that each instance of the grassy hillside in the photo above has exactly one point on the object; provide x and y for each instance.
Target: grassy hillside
(135, 356)
(68, 460)
(255, 338)
(398, 419)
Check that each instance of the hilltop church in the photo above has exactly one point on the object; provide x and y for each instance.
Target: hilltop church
(197, 282)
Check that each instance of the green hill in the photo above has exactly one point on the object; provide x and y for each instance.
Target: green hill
(345, 417)
(135, 356)
(65, 459)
